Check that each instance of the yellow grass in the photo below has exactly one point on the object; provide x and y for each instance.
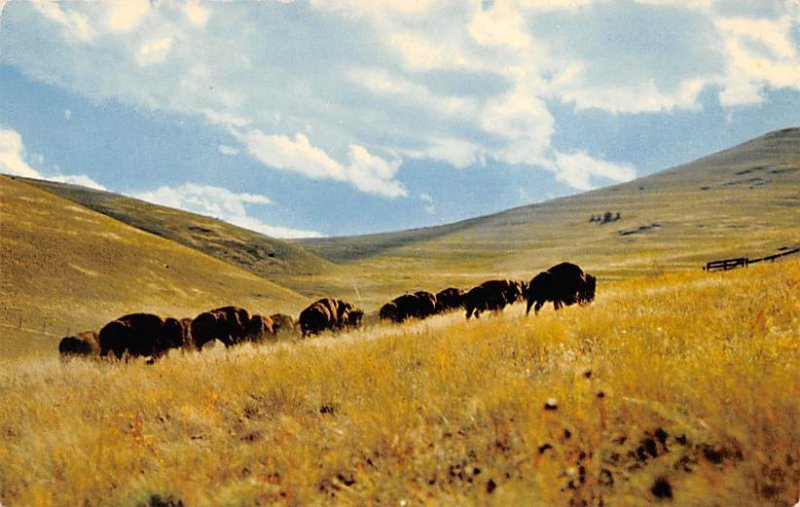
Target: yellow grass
(438, 411)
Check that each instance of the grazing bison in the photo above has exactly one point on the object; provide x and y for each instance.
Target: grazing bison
(419, 305)
(141, 334)
(82, 344)
(230, 325)
(564, 284)
(283, 324)
(492, 295)
(389, 312)
(327, 314)
(259, 328)
(449, 299)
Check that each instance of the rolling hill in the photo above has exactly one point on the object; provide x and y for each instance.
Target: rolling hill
(73, 257)
(66, 267)
(744, 201)
(254, 252)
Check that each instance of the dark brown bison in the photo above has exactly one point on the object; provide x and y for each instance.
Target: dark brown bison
(389, 312)
(328, 313)
(564, 284)
(82, 344)
(283, 324)
(449, 299)
(419, 305)
(141, 334)
(230, 325)
(492, 295)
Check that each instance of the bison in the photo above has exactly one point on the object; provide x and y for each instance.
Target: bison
(449, 299)
(141, 334)
(419, 305)
(82, 344)
(564, 284)
(327, 313)
(283, 324)
(230, 325)
(492, 295)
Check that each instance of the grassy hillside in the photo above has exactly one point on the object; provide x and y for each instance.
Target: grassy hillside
(249, 250)
(744, 201)
(680, 386)
(66, 267)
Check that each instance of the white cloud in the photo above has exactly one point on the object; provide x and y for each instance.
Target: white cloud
(75, 24)
(460, 82)
(219, 203)
(79, 179)
(67, 114)
(12, 161)
(373, 174)
(155, 51)
(196, 13)
(292, 154)
(125, 15)
(366, 172)
(12, 155)
(760, 52)
(582, 171)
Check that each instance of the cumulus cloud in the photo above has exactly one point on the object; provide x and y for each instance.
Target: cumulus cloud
(77, 179)
(430, 69)
(13, 162)
(365, 171)
(584, 172)
(12, 159)
(220, 203)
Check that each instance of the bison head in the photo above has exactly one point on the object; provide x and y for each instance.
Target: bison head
(353, 318)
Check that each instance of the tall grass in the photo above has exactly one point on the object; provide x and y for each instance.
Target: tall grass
(684, 385)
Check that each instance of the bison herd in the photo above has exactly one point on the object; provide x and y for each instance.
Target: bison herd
(148, 335)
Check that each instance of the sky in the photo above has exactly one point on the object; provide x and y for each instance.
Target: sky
(340, 117)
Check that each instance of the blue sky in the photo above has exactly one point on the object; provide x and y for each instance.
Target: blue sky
(325, 117)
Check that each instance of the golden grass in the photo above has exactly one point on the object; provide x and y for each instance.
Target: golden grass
(442, 411)
(64, 267)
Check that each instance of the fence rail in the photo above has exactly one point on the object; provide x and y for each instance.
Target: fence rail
(743, 262)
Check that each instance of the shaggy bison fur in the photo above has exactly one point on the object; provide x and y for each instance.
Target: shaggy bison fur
(563, 284)
(419, 305)
(141, 334)
(229, 324)
(492, 295)
(82, 344)
(449, 299)
(328, 313)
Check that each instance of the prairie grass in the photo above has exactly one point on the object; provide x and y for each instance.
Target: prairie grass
(681, 385)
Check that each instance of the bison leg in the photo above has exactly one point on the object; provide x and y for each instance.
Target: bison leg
(538, 307)
(528, 306)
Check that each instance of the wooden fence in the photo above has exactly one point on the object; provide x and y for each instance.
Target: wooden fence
(743, 262)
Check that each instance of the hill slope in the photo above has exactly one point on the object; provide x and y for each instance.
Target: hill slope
(67, 267)
(742, 201)
(254, 252)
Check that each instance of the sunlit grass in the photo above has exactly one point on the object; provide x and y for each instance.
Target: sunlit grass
(443, 410)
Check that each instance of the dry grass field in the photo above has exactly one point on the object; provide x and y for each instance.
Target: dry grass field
(65, 267)
(681, 386)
